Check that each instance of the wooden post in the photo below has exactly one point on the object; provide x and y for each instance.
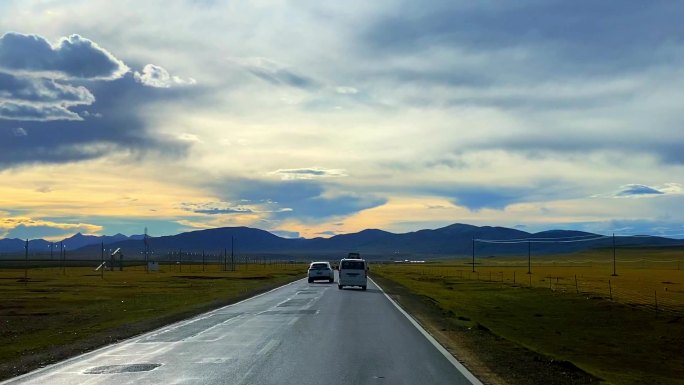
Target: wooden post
(655, 294)
(576, 286)
(610, 288)
(514, 277)
(614, 273)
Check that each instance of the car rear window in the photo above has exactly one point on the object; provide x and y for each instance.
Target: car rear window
(353, 265)
(319, 266)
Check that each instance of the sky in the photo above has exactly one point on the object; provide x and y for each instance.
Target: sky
(311, 119)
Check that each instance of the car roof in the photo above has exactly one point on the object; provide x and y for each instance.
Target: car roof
(352, 259)
(320, 262)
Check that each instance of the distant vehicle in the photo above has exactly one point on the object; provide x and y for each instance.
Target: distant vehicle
(321, 270)
(354, 256)
(353, 272)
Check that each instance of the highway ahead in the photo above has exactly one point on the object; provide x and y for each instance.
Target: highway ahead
(298, 334)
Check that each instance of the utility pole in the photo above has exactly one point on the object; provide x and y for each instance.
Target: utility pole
(614, 273)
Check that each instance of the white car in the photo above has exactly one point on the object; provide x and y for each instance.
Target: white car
(321, 270)
(353, 272)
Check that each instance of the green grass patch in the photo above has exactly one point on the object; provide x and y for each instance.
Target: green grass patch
(55, 315)
(611, 340)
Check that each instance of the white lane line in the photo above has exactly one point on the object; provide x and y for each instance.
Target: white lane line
(466, 373)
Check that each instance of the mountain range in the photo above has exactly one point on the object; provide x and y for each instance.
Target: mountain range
(453, 240)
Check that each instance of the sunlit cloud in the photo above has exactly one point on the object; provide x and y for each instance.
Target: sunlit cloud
(308, 173)
(156, 76)
(9, 224)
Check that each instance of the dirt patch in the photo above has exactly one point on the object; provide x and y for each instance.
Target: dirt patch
(492, 359)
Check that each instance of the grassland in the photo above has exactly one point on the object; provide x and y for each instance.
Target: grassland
(622, 341)
(57, 313)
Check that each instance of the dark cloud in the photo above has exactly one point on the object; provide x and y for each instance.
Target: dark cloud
(283, 77)
(638, 190)
(577, 37)
(43, 91)
(17, 111)
(73, 57)
(277, 74)
(568, 143)
(120, 129)
(478, 197)
(305, 198)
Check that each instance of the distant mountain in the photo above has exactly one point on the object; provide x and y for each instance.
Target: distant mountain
(77, 241)
(453, 240)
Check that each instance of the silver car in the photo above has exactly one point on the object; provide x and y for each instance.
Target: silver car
(321, 270)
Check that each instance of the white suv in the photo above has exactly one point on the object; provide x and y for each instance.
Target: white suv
(321, 270)
(353, 272)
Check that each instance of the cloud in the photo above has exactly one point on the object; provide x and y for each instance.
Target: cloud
(27, 227)
(42, 91)
(156, 76)
(308, 173)
(305, 200)
(73, 57)
(285, 233)
(640, 190)
(276, 73)
(60, 135)
(219, 208)
(346, 90)
(40, 113)
(28, 98)
(19, 131)
(327, 233)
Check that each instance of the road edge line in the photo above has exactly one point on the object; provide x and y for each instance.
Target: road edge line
(464, 371)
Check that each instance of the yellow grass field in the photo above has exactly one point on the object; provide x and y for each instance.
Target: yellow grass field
(645, 277)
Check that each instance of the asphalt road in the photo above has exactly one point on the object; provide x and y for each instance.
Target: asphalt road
(298, 334)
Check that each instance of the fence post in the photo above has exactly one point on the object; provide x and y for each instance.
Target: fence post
(610, 288)
(530, 279)
(514, 277)
(576, 286)
(655, 295)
